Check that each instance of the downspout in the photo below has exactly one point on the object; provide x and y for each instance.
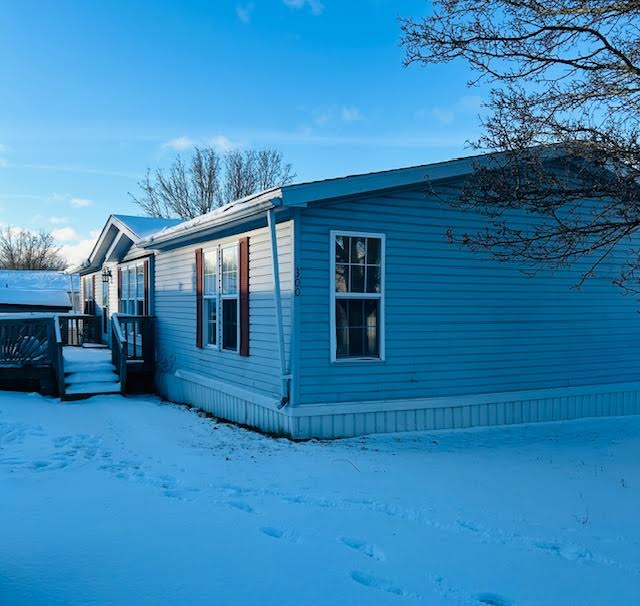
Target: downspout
(285, 377)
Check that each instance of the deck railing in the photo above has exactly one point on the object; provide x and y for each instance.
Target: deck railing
(132, 346)
(78, 329)
(24, 341)
(57, 354)
(30, 352)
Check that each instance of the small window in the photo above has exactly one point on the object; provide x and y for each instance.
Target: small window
(357, 294)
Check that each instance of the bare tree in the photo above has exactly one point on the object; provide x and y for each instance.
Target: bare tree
(21, 249)
(564, 113)
(185, 190)
(207, 180)
(240, 177)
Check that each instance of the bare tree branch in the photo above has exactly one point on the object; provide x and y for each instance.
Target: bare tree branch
(565, 117)
(207, 180)
(22, 249)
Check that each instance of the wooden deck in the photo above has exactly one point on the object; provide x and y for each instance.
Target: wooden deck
(61, 354)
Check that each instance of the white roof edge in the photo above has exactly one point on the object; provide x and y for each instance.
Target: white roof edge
(244, 207)
(302, 193)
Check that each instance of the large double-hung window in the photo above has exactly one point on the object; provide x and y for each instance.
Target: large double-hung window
(357, 311)
(220, 298)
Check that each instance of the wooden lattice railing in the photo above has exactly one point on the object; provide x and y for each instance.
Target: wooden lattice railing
(25, 341)
(31, 353)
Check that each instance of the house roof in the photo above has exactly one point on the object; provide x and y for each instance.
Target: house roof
(145, 226)
(301, 194)
(149, 232)
(35, 288)
(117, 236)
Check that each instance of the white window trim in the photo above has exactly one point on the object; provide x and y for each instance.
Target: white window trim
(124, 270)
(228, 297)
(219, 297)
(215, 297)
(333, 295)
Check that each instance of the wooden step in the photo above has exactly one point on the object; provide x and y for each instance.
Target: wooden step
(77, 367)
(92, 389)
(98, 376)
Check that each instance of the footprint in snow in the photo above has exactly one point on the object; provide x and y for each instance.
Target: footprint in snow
(242, 506)
(279, 533)
(369, 580)
(367, 549)
(493, 599)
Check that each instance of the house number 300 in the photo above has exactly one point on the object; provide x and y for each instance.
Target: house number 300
(296, 282)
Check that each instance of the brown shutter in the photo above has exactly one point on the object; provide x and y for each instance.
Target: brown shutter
(199, 289)
(244, 296)
(119, 289)
(146, 287)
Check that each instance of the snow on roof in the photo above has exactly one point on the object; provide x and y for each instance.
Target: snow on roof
(30, 296)
(145, 226)
(25, 287)
(44, 280)
(298, 194)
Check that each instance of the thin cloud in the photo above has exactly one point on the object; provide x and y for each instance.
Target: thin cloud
(244, 11)
(351, 114)
(220, 142)
(82, 170)
(308, 137)
(315, 6)
(80, 202)
(325, 116)
(180, 143)
(465, 106)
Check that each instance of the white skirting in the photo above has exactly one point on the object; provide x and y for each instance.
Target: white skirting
(233, 404)
(336, 421)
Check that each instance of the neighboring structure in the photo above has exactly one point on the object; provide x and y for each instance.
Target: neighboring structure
(337, 308)
(24, 291)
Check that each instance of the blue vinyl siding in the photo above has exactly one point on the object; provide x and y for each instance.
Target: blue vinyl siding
(175, 302)
(457, 322)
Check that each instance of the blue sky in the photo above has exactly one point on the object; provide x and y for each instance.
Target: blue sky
(94, 93)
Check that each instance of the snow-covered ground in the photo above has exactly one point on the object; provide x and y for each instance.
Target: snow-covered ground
(134, 501)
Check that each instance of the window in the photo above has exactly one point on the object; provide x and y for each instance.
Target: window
(89, 295)
(132, 296)
(357, 320)
(229, 297)
(220, 297)
(210, 298)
